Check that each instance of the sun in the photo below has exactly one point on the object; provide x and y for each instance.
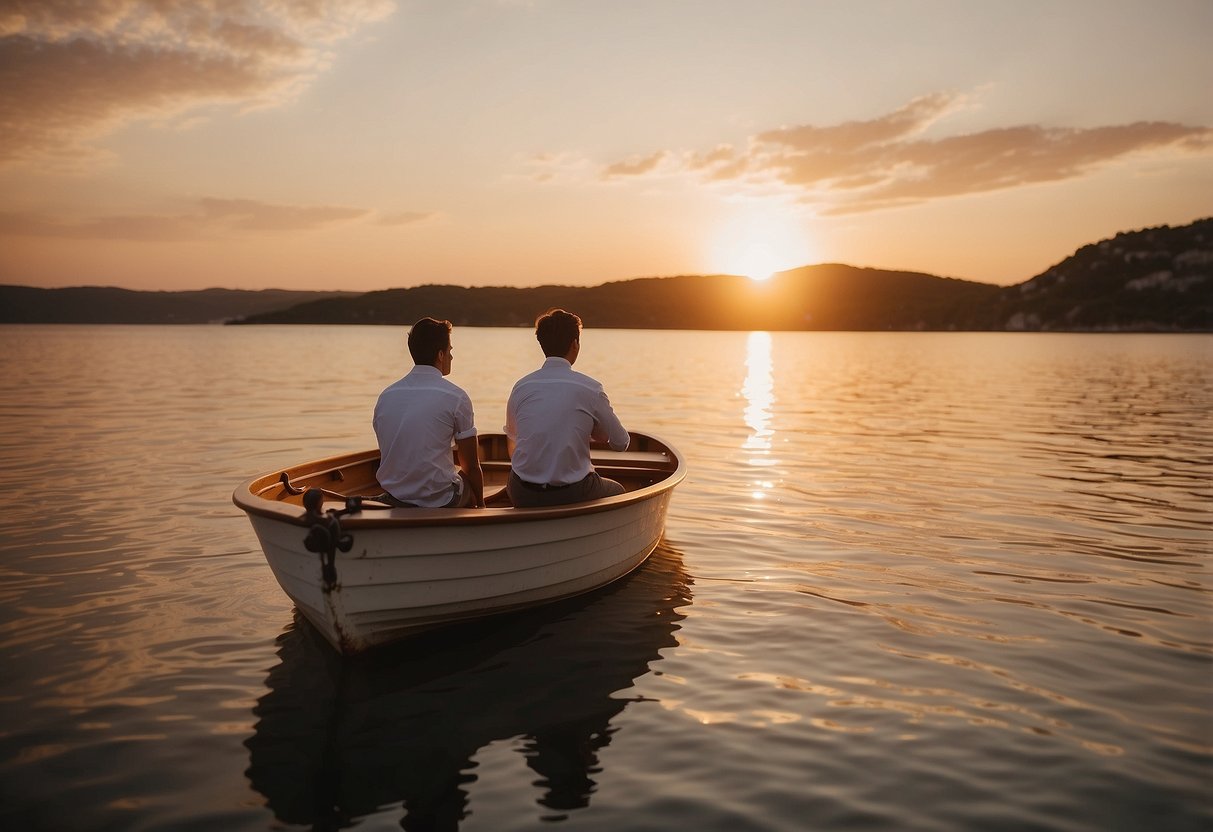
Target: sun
(760, 241)
(759, 261)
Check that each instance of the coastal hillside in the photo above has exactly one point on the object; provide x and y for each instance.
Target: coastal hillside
(110, 305)
(1157, 279)
(1152, 280)
(814, 297)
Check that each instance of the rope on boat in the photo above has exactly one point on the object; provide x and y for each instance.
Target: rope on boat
(324, 534)
(290, 488)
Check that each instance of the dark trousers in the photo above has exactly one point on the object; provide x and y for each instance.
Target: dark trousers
(528, 495)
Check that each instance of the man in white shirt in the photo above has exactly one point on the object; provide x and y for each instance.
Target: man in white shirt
(416, 421)
(552, 416)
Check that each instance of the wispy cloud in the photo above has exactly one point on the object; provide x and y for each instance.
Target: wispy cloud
(405, 217)
(635, 167)
(889, 161)
(206, 218)
(71, 71)
(550, 168)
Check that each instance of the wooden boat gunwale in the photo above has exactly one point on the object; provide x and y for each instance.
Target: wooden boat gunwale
(265, 495)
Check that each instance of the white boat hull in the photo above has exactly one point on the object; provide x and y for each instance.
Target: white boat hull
(394, 582)
(413, 569)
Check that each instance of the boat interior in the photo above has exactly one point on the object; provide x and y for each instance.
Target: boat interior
(646, 462)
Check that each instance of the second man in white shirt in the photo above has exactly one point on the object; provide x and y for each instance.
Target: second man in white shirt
(552, 416)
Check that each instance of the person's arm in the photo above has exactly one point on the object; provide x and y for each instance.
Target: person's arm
(468, 452)
(467, 449)
(509, 427)
(607, 427)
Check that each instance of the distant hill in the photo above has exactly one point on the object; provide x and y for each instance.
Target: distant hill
(814, 297)
(1154, 280)
(110, 305)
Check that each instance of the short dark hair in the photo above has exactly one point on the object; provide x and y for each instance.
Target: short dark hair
(427, 338)
(556, 330)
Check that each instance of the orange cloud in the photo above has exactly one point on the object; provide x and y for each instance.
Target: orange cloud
(885, 162)
(72, 71)
(209, 218)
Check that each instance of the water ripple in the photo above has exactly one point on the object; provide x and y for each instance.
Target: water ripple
(940, 582)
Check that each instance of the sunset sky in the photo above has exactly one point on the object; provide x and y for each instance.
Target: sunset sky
(334, 144)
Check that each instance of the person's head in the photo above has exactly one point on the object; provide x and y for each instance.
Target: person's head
(430, 343)
(558, 332)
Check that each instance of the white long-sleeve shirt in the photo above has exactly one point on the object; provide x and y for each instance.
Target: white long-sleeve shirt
(550, 417)
(417, 420)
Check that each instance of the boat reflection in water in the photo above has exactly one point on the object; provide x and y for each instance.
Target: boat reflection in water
(339, 738)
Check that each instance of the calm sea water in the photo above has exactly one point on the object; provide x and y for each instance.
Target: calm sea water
(912, 582)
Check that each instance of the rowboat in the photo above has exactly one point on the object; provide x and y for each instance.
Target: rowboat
(367, 574)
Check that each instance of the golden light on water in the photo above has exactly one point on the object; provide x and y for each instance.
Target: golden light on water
(759, 393)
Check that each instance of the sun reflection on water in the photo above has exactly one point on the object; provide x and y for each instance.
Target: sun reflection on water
(759, 393)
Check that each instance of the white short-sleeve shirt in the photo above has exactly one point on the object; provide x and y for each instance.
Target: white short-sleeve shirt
(551, 415)
(417, 420)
